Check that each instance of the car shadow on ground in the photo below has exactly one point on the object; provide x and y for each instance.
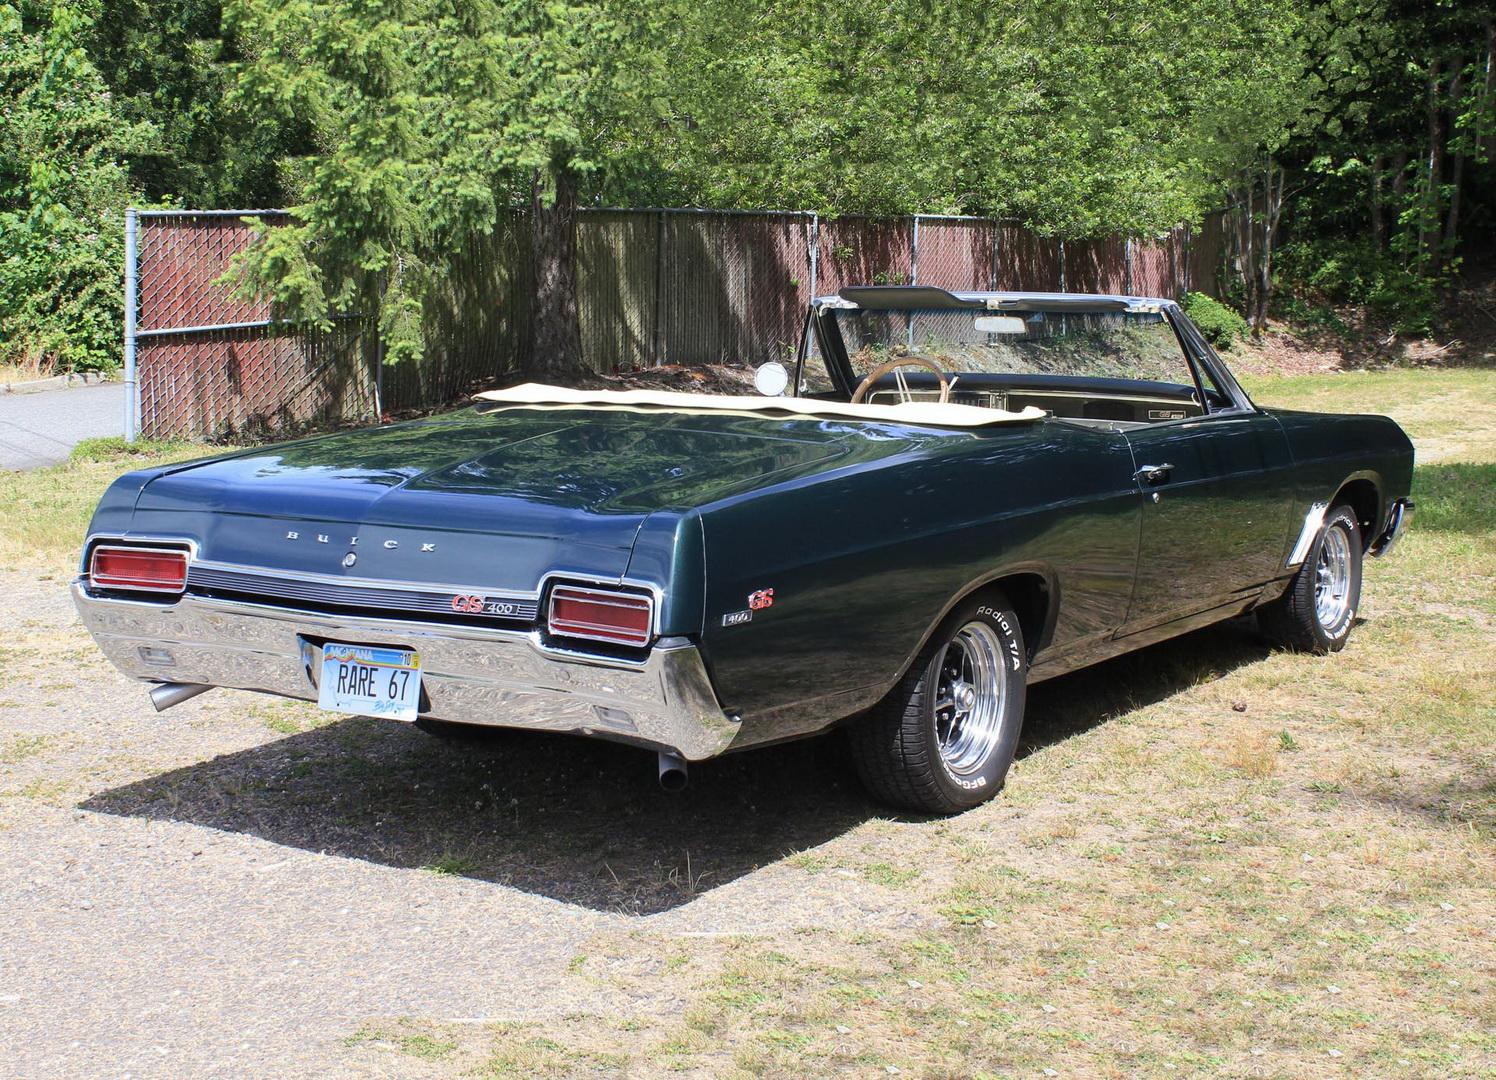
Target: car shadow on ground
(1073, 704)
(583, 821)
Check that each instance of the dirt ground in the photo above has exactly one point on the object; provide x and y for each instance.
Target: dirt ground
(1211, 860)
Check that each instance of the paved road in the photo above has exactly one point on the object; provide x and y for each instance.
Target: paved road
(42, 429)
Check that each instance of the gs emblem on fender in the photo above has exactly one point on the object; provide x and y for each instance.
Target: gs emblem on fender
(763, 598)
(468, 605)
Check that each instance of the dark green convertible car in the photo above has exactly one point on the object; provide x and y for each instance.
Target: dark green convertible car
(949, 497)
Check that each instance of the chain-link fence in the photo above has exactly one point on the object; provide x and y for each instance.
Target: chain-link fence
(654, 287)
(200, 361)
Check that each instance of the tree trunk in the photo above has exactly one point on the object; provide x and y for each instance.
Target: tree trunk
(555, 328)
(1274, 179)
(1378, 222)
(1457, 168)
(1487, 140)
(1433, 179)
(1400, 197)
(1248, 246)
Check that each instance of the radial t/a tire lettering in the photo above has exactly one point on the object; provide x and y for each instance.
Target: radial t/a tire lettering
(943, 740)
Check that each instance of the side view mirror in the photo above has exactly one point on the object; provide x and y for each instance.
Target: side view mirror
(771, 379)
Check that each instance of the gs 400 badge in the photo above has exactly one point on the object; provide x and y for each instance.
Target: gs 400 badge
(758, 600)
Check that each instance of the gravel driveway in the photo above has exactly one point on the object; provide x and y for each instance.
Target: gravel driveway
(239, 885)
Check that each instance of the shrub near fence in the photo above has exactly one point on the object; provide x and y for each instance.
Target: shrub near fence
(655, 287)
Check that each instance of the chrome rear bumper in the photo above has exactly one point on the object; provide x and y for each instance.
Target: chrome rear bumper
(471, 675)
(1400, 517)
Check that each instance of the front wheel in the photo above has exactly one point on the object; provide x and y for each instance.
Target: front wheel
(1316, 613)
(943, 740)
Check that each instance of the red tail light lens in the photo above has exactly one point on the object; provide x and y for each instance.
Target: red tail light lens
(138, 569)
(601, 615)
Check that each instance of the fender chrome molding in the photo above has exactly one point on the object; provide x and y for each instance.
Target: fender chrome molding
(1312, 522)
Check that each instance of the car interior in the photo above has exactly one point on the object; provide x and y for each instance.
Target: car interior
(1119, 366)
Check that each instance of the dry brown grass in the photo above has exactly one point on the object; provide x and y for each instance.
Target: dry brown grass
(1183, 889)
(1255, 753)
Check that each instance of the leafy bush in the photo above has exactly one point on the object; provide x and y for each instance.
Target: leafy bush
(63, 191)
(1320, 272)
(1221, 326)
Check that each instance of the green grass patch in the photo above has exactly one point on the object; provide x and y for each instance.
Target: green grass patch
(115, 448)
(44, 513)
(1456, 497)
(452, 864)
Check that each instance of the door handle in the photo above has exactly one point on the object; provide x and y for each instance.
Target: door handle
(1153, 474)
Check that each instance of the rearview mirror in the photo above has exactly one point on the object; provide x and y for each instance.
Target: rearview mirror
(999, 324)
(771, 379)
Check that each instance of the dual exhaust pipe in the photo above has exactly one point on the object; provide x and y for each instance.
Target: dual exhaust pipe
(674, 773)
(168, 694)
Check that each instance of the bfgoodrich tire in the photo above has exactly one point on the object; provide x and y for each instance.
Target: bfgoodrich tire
(1316, 613)
(944, 738)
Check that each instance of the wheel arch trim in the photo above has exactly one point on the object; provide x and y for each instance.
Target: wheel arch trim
(1037, 611)
(1357, 482)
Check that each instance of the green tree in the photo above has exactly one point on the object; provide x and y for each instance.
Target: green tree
(432, 118)
(1398, 170)
(1078, 117)
(63, 190)
(167, 63)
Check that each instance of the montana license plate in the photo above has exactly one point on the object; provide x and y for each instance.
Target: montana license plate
(366, 681)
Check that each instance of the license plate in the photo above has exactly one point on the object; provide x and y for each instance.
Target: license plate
(366, 681)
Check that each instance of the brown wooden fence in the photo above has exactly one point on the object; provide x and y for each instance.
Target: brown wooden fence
(656, 287)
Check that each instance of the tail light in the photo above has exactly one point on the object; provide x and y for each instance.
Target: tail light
(138, 569)
(601, 615)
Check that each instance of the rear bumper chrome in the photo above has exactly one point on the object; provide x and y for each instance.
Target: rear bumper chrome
(471, 675)
(1400, 517)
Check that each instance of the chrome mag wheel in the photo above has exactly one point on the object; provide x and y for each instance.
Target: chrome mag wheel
(969, 698)
(1332, 580)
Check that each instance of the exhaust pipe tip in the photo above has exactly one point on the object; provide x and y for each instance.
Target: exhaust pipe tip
(166, 695)
(674, 774)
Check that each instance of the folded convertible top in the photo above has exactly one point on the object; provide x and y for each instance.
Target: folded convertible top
(913, 412)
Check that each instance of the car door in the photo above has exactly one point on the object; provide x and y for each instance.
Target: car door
(1215, 497)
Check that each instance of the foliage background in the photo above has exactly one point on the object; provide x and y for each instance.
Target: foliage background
(1354, 138)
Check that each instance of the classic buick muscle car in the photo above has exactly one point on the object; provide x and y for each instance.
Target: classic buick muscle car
(959, 494)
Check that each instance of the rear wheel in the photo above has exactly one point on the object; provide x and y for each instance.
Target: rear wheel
(1316, 613)
(943, 740)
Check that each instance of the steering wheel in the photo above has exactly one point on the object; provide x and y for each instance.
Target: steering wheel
(900, 362)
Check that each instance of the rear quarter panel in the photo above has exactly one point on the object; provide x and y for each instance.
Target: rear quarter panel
(865, 562)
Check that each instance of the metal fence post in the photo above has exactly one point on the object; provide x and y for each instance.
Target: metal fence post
(659, 287)
(914, 254)
(132, 399)
(997, 235)
(1127, 266)
(1062, 265)
(815, 252)
(913, 278)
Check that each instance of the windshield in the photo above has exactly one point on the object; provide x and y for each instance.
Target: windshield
(1110, 344)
